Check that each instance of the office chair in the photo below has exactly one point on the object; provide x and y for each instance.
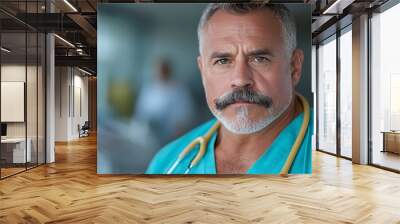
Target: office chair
(84, 130)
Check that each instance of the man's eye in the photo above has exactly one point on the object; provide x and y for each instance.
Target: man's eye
(221, 61)
(260, 59)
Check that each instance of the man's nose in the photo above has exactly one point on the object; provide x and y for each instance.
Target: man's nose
(242, 75)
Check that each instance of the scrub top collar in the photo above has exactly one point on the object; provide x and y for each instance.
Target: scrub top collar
(270, 161)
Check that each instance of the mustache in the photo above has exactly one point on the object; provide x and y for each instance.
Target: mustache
(242, 94)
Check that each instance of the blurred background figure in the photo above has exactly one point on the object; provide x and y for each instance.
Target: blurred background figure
(145, 101)
(165, 104)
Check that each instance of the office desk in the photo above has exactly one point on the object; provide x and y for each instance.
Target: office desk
(391, 141)
(15, 148)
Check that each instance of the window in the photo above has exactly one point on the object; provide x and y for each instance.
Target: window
(385, 89)
(327, 96)
(346, 93)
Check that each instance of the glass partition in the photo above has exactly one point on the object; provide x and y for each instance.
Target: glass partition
(14, 154)
(22, 77)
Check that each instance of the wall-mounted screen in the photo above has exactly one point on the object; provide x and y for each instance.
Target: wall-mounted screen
(12, 101)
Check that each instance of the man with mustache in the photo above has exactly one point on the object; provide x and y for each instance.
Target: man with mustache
(249, 66)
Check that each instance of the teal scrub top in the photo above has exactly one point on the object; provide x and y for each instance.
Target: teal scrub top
(270, 162)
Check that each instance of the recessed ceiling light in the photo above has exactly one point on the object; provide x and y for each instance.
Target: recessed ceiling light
(329, 9)
(84, 71)
(65, 41)
(5, 50)
(70, 5)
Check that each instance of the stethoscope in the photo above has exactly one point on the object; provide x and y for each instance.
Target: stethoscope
(203, 141)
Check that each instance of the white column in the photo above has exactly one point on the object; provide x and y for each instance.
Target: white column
(50, 92)
(314, 92)
(360, 90)
(50, 100)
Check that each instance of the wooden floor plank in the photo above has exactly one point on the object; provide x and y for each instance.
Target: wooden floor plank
(70, 191)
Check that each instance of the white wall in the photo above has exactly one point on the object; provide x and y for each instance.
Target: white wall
(70, 83)
(62, 81)
(17, 73)
(33, 126)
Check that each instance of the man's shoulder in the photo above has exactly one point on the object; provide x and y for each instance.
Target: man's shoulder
(173, 149)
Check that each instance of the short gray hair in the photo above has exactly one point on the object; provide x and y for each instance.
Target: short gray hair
(282, 12)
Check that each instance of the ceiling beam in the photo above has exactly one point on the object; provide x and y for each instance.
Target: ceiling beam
(82, 61)
(86, 26)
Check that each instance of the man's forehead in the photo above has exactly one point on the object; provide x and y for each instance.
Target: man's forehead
(225, 30)
(258, 25)
(240, 28)
(253, 22)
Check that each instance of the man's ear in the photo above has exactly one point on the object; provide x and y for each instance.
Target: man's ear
(296, 65)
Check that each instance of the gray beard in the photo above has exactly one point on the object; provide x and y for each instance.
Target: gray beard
(241, 124)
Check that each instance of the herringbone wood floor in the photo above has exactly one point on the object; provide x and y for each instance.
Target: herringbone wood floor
(70, 191)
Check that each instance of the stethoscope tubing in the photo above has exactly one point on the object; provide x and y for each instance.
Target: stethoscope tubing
(203, 140)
